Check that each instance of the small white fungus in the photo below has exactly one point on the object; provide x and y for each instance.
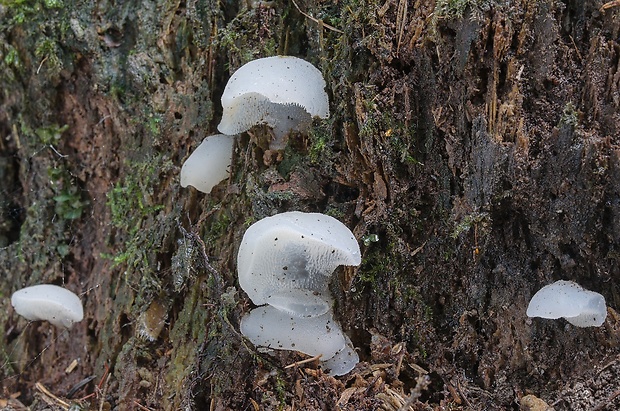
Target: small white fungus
(48, 302)
(286, 260)
(571, 301)
(209, 163)
(271, 328)
(283, 92)
(344, 360)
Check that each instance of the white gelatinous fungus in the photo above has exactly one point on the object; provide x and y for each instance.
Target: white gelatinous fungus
(48, 302)
(283, 92)
(344, 360)
(571, 301)
(209, 163)
(286, 260)
(271, 328)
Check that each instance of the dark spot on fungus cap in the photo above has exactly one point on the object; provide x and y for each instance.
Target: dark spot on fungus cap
(294, 267)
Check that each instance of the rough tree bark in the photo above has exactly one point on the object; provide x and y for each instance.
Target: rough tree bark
(477, 139)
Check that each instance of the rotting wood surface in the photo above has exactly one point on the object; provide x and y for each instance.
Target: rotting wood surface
(477, 139)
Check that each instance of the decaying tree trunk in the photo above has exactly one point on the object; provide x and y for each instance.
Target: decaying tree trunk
(472, 148)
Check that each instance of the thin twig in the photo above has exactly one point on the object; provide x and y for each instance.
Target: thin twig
(401, 21)
(610, 4)
(317, 21)
(56, 151)
(47, 393)
(103, 392)
(462, 394)
(142, 407)
(605, 403)
(422, 383)
(41, 65)
(103, 119)
(576, 48)
(307, 360)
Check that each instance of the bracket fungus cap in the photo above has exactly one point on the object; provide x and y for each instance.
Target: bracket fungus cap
(49, 302)
(209, 163)
(569, 300)
(283, 92)
(286, 260)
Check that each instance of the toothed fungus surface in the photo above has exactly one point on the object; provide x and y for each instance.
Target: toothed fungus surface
(209, 163)
(568, 299)
(48, 302)
(283, 92)
(286, 260)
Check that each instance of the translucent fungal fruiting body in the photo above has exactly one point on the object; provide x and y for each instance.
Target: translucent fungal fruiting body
(286, 260)
(209, 163)
(272, 328)
(313, 336)
(283, 92)
(48, 302)
(343, 361)
(571, 301)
